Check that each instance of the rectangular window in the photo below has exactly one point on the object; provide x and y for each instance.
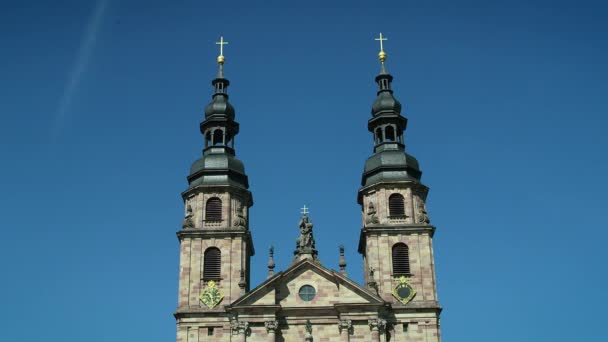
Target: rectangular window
(210, 331)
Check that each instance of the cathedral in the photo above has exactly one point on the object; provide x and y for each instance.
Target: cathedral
(307, 301)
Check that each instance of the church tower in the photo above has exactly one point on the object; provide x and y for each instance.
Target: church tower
(396, 238)
(215, 241)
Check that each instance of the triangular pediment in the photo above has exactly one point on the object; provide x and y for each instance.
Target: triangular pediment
(330, 288)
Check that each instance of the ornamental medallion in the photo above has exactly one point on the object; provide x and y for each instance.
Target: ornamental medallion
(211, 295)
(404, 291)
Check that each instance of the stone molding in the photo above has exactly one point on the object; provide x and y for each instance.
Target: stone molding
(384, 229)
(417, 186)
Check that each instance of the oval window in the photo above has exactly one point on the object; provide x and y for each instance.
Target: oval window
(307, 293)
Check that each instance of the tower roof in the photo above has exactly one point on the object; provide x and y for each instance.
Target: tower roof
(218, 166)
(390, 162)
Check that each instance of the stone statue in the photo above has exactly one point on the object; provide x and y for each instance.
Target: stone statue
(240, 220)
(372, 218)
(421, 214)
(305, 240)
(305, 244)
(188, 221)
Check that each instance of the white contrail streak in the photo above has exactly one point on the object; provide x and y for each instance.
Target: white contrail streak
(84, 55)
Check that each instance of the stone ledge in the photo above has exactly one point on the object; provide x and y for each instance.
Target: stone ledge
(381, 228)
(206, 233)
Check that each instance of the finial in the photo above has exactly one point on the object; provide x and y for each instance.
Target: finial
(220, 58)
(270, 261)
(304, 211)
(342, 262)
(382, 55)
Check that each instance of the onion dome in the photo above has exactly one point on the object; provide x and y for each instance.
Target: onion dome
(218, 166)
(389, 163)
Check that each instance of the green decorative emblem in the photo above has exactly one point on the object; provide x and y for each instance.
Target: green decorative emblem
(404, 291)
(211, 295)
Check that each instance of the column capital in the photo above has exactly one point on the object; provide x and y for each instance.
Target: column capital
(345, 325)
(239, 328)
(271, 326)
(377, 324)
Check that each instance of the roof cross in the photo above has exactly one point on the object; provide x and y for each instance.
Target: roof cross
(381, 39)
(221, 43)
(304, 210)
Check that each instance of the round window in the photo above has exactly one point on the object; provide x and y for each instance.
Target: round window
(307, 293)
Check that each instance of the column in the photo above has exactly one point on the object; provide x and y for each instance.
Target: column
(345, 327)
(271, 329)
(377, 327)
(240, 330)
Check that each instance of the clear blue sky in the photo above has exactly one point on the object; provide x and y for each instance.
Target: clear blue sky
(100, 105)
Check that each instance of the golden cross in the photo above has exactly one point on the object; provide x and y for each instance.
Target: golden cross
(381, 39)
(221, 43)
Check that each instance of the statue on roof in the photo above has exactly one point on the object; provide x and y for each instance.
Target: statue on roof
(305, 240)
(305, 244)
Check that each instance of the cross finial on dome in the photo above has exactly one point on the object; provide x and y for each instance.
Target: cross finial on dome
(382, 55)
(221, 43)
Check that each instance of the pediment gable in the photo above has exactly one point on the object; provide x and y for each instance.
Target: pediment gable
(330, 288)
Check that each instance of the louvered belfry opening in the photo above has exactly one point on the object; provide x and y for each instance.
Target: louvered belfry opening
(396, 206)
(212, 264)
(401, 260)
(213, 209)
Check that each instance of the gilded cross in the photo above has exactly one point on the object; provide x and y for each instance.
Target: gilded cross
(304, 210)
(221, 43)
(381, 39)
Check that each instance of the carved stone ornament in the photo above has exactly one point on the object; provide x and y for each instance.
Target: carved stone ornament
(404, 292)
(345, 324)
(211, 296)
(271, 326)
(421, 214)
(308, 327)
(305, 240)
(377, 324)
(240, 220)
(372, 218)
(237, 327)
(188, 221)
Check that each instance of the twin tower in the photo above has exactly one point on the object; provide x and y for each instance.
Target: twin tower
(307, 301)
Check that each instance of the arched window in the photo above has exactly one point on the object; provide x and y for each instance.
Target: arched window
(212, 264)
(379, 135)
(396, 205)
(218, 137)
(401, 260)
(213, 209)
(389, 131)
(208, 139)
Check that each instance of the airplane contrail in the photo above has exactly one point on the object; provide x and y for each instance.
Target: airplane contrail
(84, 55)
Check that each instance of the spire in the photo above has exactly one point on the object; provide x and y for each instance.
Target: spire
(271, 261)
(305, 244)
(389, 161)
(342, 262)
(220, 104)
(221, 59)
(382, 55)
(219, 129)
(386, 102)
